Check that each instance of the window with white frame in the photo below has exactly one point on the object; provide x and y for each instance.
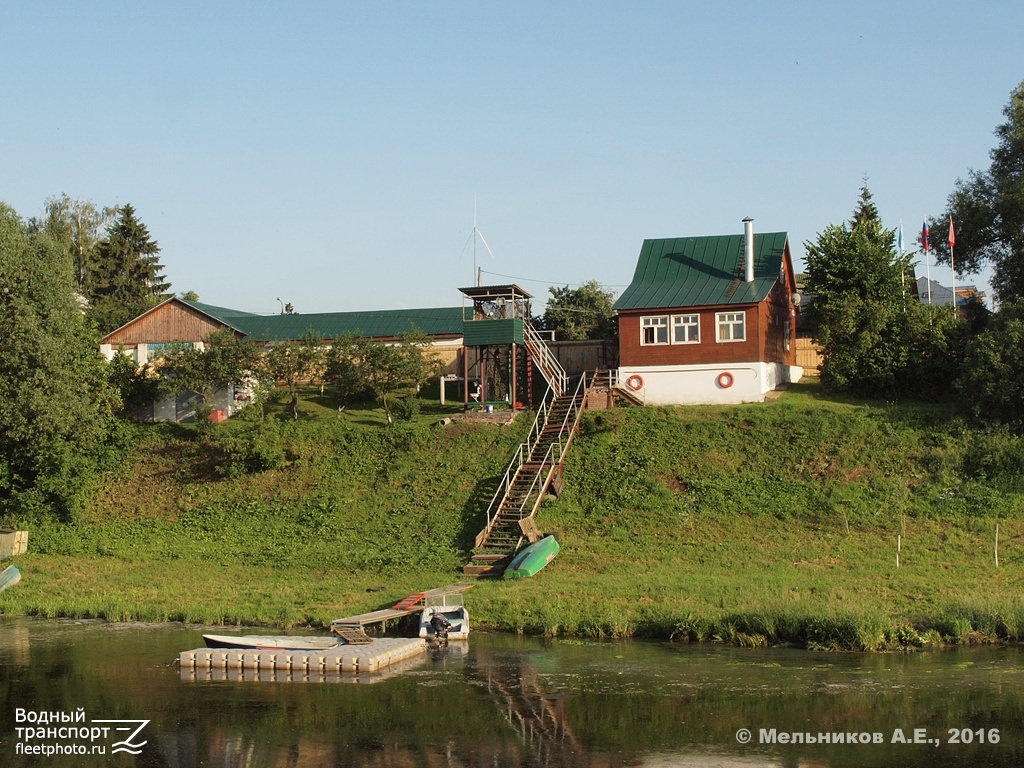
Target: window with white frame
(731, 326)
(653, 330)
(785, 335)
(686, 329)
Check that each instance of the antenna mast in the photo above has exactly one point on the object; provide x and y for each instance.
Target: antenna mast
(478, 271)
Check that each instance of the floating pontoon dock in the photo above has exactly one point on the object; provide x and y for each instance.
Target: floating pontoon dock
(379, 654)
(355, 653)
(238, 675)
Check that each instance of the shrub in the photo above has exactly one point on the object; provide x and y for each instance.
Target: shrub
(408, 408)
(256, 450)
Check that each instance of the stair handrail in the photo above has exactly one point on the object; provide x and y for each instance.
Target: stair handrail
(542, 411)
(545, 463)
(562, 441)
(572, 416)
(501, 492)
(550, 368)
(524, 453)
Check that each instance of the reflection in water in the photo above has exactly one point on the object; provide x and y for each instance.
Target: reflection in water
(507, 701)
(15, 645)
(538, 718)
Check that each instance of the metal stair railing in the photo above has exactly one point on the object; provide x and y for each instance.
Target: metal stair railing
(545, 466)
(521, 454)
(550, 368)
(572, 414)
(541, 419)
(499, 495)
(615, 384)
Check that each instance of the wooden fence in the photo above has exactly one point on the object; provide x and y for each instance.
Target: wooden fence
(808, 356)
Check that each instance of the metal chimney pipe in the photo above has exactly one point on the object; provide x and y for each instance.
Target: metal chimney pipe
(748, 249)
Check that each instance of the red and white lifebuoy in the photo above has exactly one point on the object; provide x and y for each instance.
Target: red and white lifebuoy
(634, 382)
(725, 379)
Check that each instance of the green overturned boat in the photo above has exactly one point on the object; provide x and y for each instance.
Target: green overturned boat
(9, 577)
(531, 559)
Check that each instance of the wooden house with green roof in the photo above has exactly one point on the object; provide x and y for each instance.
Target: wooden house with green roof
(709, 319)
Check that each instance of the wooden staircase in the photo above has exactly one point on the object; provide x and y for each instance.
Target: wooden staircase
(535, 471)
(609, 389)
(545, 360)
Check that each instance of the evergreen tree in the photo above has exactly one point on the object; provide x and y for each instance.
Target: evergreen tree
(861, 314)
(866, 210)
(988, 211)
(129, 276)
(56, 407)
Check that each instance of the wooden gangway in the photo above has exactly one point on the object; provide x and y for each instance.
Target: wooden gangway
(413, 603)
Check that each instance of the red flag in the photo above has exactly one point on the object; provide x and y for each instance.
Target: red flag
(924, 236)
(952, 234)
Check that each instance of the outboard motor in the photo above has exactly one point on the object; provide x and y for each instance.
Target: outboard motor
(440, 624)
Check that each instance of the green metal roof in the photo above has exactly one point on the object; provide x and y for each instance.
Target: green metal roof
(223, 314)
(444, 321)
(702, 271)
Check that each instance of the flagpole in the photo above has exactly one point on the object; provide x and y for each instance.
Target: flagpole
(927, 260)
(903, 271)
(952, 265)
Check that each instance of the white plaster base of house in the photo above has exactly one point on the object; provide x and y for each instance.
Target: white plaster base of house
(707, 384)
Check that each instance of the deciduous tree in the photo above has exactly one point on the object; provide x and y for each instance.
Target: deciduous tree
(56, 407)
(223, 361)
(581, 313)
(76, 225)
(987, 209)
(992, 380)
(296, 362)
(385, 369)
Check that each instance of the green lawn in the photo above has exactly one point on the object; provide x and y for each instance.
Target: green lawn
(752, 524)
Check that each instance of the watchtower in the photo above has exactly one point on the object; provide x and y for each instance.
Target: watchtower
(494, 335)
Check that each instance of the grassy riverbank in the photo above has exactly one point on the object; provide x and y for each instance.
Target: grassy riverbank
(761, 524)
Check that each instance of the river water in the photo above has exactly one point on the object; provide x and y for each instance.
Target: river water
(503, 701)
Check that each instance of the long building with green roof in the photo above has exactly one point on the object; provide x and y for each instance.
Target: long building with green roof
(177, 321)
(439, 322)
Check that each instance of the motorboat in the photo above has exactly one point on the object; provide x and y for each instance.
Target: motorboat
(452, 608)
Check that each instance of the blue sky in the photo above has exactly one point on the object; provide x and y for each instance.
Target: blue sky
(329, 153)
